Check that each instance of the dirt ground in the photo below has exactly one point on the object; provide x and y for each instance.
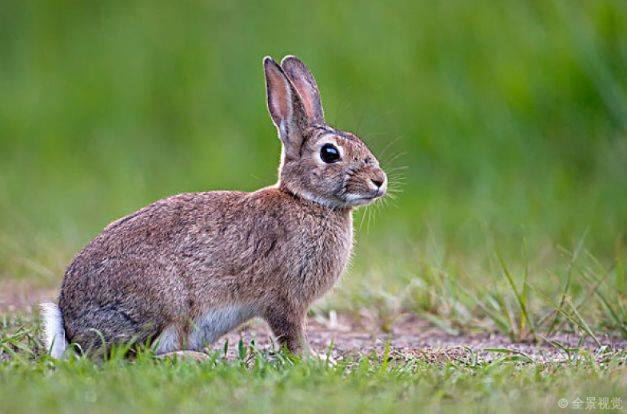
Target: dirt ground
(414, 337)
(411, 336)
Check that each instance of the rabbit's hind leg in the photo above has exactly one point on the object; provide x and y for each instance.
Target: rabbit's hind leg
(97, 330)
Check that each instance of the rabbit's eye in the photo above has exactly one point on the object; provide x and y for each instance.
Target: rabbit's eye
(329, 153)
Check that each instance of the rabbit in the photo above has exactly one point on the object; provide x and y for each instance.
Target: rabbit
(183, 271)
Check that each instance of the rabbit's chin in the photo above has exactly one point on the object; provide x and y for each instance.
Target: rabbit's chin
(357, 200)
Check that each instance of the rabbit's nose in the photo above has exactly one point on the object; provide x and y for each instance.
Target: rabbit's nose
(377, 181)
(378, 177)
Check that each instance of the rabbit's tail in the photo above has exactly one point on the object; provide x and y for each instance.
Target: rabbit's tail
(54, 334)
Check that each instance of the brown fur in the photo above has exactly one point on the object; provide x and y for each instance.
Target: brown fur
(269, 253)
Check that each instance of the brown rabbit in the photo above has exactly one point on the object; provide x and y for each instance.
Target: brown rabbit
(187, 269)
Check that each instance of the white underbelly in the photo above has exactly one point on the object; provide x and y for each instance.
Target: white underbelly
(206, 330)
(216, 322)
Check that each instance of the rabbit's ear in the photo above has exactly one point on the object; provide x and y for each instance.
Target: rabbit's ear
(285, 107)
(305, 84)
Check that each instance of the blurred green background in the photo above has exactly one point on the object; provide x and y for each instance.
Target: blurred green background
(502, 124)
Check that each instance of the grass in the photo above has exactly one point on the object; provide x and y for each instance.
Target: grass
(149, 386)
(566, 290)
(503, 128)
(255, 381)
(273, 387)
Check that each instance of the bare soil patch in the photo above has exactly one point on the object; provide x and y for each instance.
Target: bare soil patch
(413, 337)
(23, 296)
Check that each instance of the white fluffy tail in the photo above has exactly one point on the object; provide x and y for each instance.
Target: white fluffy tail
(54, 334)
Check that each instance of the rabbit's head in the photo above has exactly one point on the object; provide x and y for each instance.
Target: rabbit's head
(319, 163)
